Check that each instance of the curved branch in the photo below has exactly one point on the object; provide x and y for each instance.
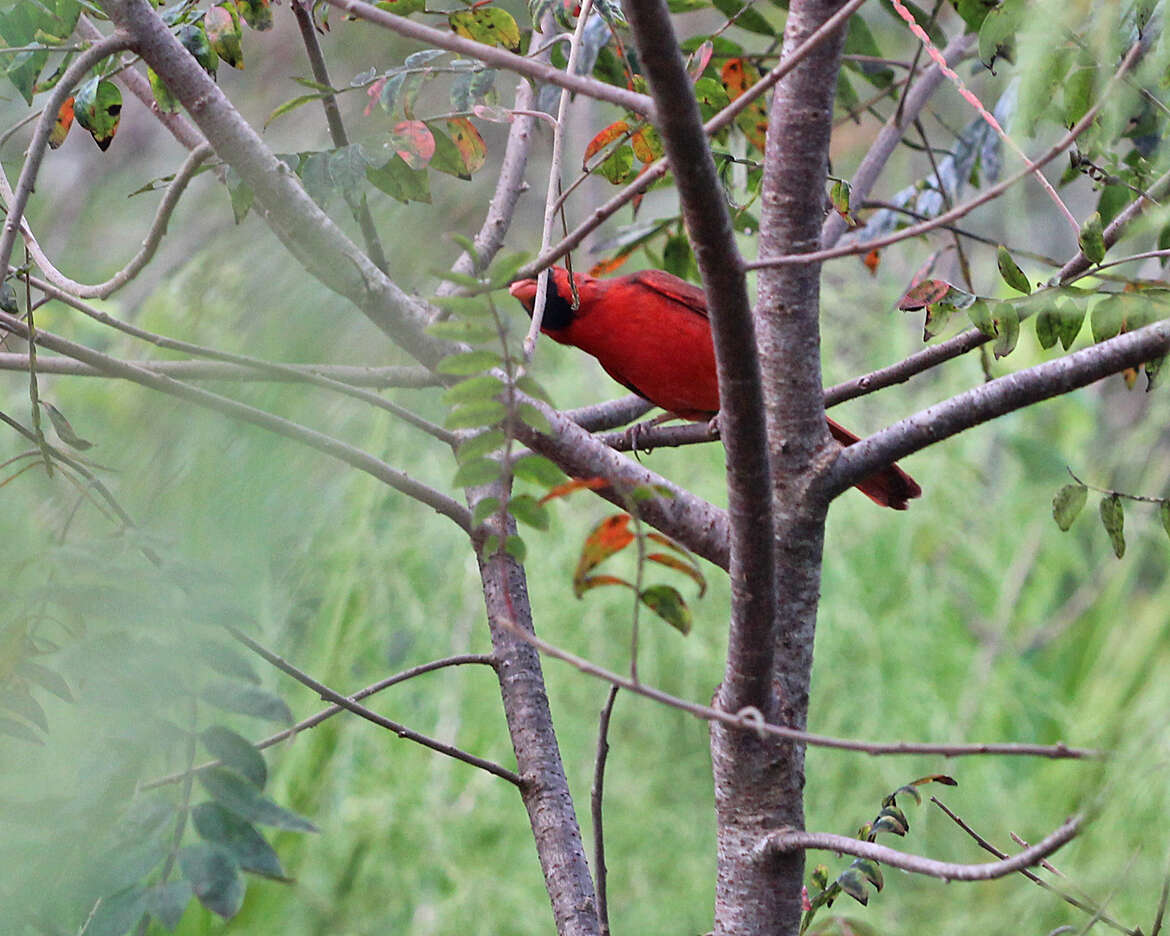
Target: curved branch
(790, 840)
(967, 207)
(369, 715)
(394, 376)
(158, 228)
(111, 45)
(308, 232)
(355, 457)
(281, 370)
(995, 398)
(497, 57)
(890, 135)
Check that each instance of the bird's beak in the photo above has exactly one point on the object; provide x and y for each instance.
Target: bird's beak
(525, 291)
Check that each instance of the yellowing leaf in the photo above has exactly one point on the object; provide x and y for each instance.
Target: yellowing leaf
(98, 108)
(222, 24)
(489, 25)
(469, 143)
(413, 141)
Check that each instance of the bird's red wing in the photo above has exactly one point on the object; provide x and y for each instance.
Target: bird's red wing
(673, 288)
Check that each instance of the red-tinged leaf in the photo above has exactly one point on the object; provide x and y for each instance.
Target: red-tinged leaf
(700, 59)
(668, 604)
(574, 485)
(374, 93)
(609, 537)
(605, 267)
(872, 261)
(487, 24)
(596, 581)
(924, 294)
(63, 123)
(737, 76)
(646, 145)
(412, 140)
(469, 143)
(679, 565)
(222, 24)
(615, 131)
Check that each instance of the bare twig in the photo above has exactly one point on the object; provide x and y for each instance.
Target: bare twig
(787, 840)
(337, 132)
(154, 236)
(355, 375)
(355, 457)
(313, 721)
(357, 708)
(1067, 898)
(595, 803)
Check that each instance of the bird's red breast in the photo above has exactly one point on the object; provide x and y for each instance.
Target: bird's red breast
(650, 332)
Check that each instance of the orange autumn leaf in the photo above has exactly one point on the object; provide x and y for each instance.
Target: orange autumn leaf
(62, 125)
(872, 261)
(737, 76)
(615, 131)
(414, 142)
(609, 537)
(573, 485)
(924, 294)
(470, 144)
(605, 267)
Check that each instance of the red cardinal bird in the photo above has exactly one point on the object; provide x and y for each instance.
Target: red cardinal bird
(650, 332)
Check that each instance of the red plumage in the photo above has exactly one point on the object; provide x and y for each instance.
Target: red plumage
(650, 333)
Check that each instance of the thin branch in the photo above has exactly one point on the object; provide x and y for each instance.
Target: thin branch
(788, 840)
(313, 721)
(284, 371)
(657, 170)
(356, 375)
(357, 708)
(995, 398)
(1160, 915)
(108, 46)
(888, 138)
(751, 720)
(967, 207)
(154, 236)
(498, 57)
(1035, 879)
(337, 132)
(601, 416)
(596, 795)
(349, 454)
(551, 200)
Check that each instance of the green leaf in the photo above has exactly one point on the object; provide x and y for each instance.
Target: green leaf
(1007, 322)
(484, 509)
(463, 330)
(247, 700)
(256, 13)
(167, 902)
(226, 661)
(194, 39)
(750, 19)
(1108, 317)
(533, 388)
(118, 913)
(1046, 327)
(466, 363)
(853, 882)
(1012, 274)
(1092, 238)
(45, 678)
(1067, 503)
(19, 730)
(483, 387)
(979, 312)
(1164, 514)
(98, 108)
(870, 871)
(63, 429)
(476, 413)
(1113, 519)
(538, 470)
(400, 181)
(476, 472)
(514, 547)
(236, 752)
(240, 193)
(238, 796)
(531, 416)
(526, 509)
(668, 604)
(483, 443)
(167, 102)
(251, 851)
(1070, 316)
(215, 877)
